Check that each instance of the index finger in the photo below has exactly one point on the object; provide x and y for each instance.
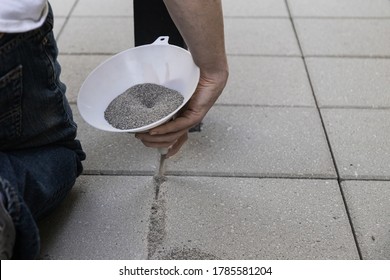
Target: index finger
(182, 122)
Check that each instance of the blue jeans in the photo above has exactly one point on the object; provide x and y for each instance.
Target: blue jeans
(39, 156)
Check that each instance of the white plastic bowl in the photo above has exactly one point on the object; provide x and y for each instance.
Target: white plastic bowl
(158, 63)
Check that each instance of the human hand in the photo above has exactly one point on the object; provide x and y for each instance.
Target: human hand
(174, 133)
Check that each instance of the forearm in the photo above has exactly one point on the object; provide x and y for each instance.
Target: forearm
(200, 22)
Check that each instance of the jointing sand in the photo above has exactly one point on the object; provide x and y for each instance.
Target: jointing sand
(141, 105)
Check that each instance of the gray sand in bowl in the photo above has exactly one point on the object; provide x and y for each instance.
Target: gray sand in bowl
(141, 105)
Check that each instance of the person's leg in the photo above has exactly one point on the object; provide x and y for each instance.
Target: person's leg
(7, 228)
(33, 182)
(39, 156)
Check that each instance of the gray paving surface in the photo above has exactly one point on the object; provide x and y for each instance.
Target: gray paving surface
(344, 37)
(358, 82)
(272, 36)
(360, 141)
(104, 8)
(292, 163)
(285, 142)
(237, 218)
(369, 205)
(103, 218)
(273, 81)
(84, 35)
(75, 69)
(255, 8)
(340, 8)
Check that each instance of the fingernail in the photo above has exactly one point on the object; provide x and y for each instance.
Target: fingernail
(153, 133)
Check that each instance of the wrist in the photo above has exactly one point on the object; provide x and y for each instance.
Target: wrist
(217, 76)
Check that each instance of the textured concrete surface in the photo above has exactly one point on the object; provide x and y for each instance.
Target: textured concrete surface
(344, 37)
(75, 69)
(292, 163)
(97, 35)
(350, 82)
(103, 218)
(59, 23)
(276, 36)
(285, 142)
(104, 8)
(369, 205)
(255, 8)
(62, 8)
(238, 218)
(360, 142)
(340, 8)
(273, 81)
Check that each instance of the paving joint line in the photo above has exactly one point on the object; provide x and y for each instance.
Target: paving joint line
(341, 17)
(379, 108)
(263, 105)
(384, 108)
(104, 16)
(130, 16)
(264, 55)
(210, 175)
(234, 175)
(255, 17)
(346, 56)
(365, 179)
(66, 19)
(326, 136)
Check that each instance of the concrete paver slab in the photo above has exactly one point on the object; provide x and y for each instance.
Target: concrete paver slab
(267, 81)
(237, 218)
(352, 37)
(97, 35)
(254, 8)
(104, 8)
(75, 69)
(340, 8)
(62, 8)
(102, 218)
(360, 142)
(350, 82)
(257, 141)
(260, 36)
(58, 24)
(234, 141)
(369, 207)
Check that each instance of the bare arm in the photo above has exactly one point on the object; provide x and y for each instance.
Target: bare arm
(200, 23)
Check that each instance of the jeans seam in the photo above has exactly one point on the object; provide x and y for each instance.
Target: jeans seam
(15, 111)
